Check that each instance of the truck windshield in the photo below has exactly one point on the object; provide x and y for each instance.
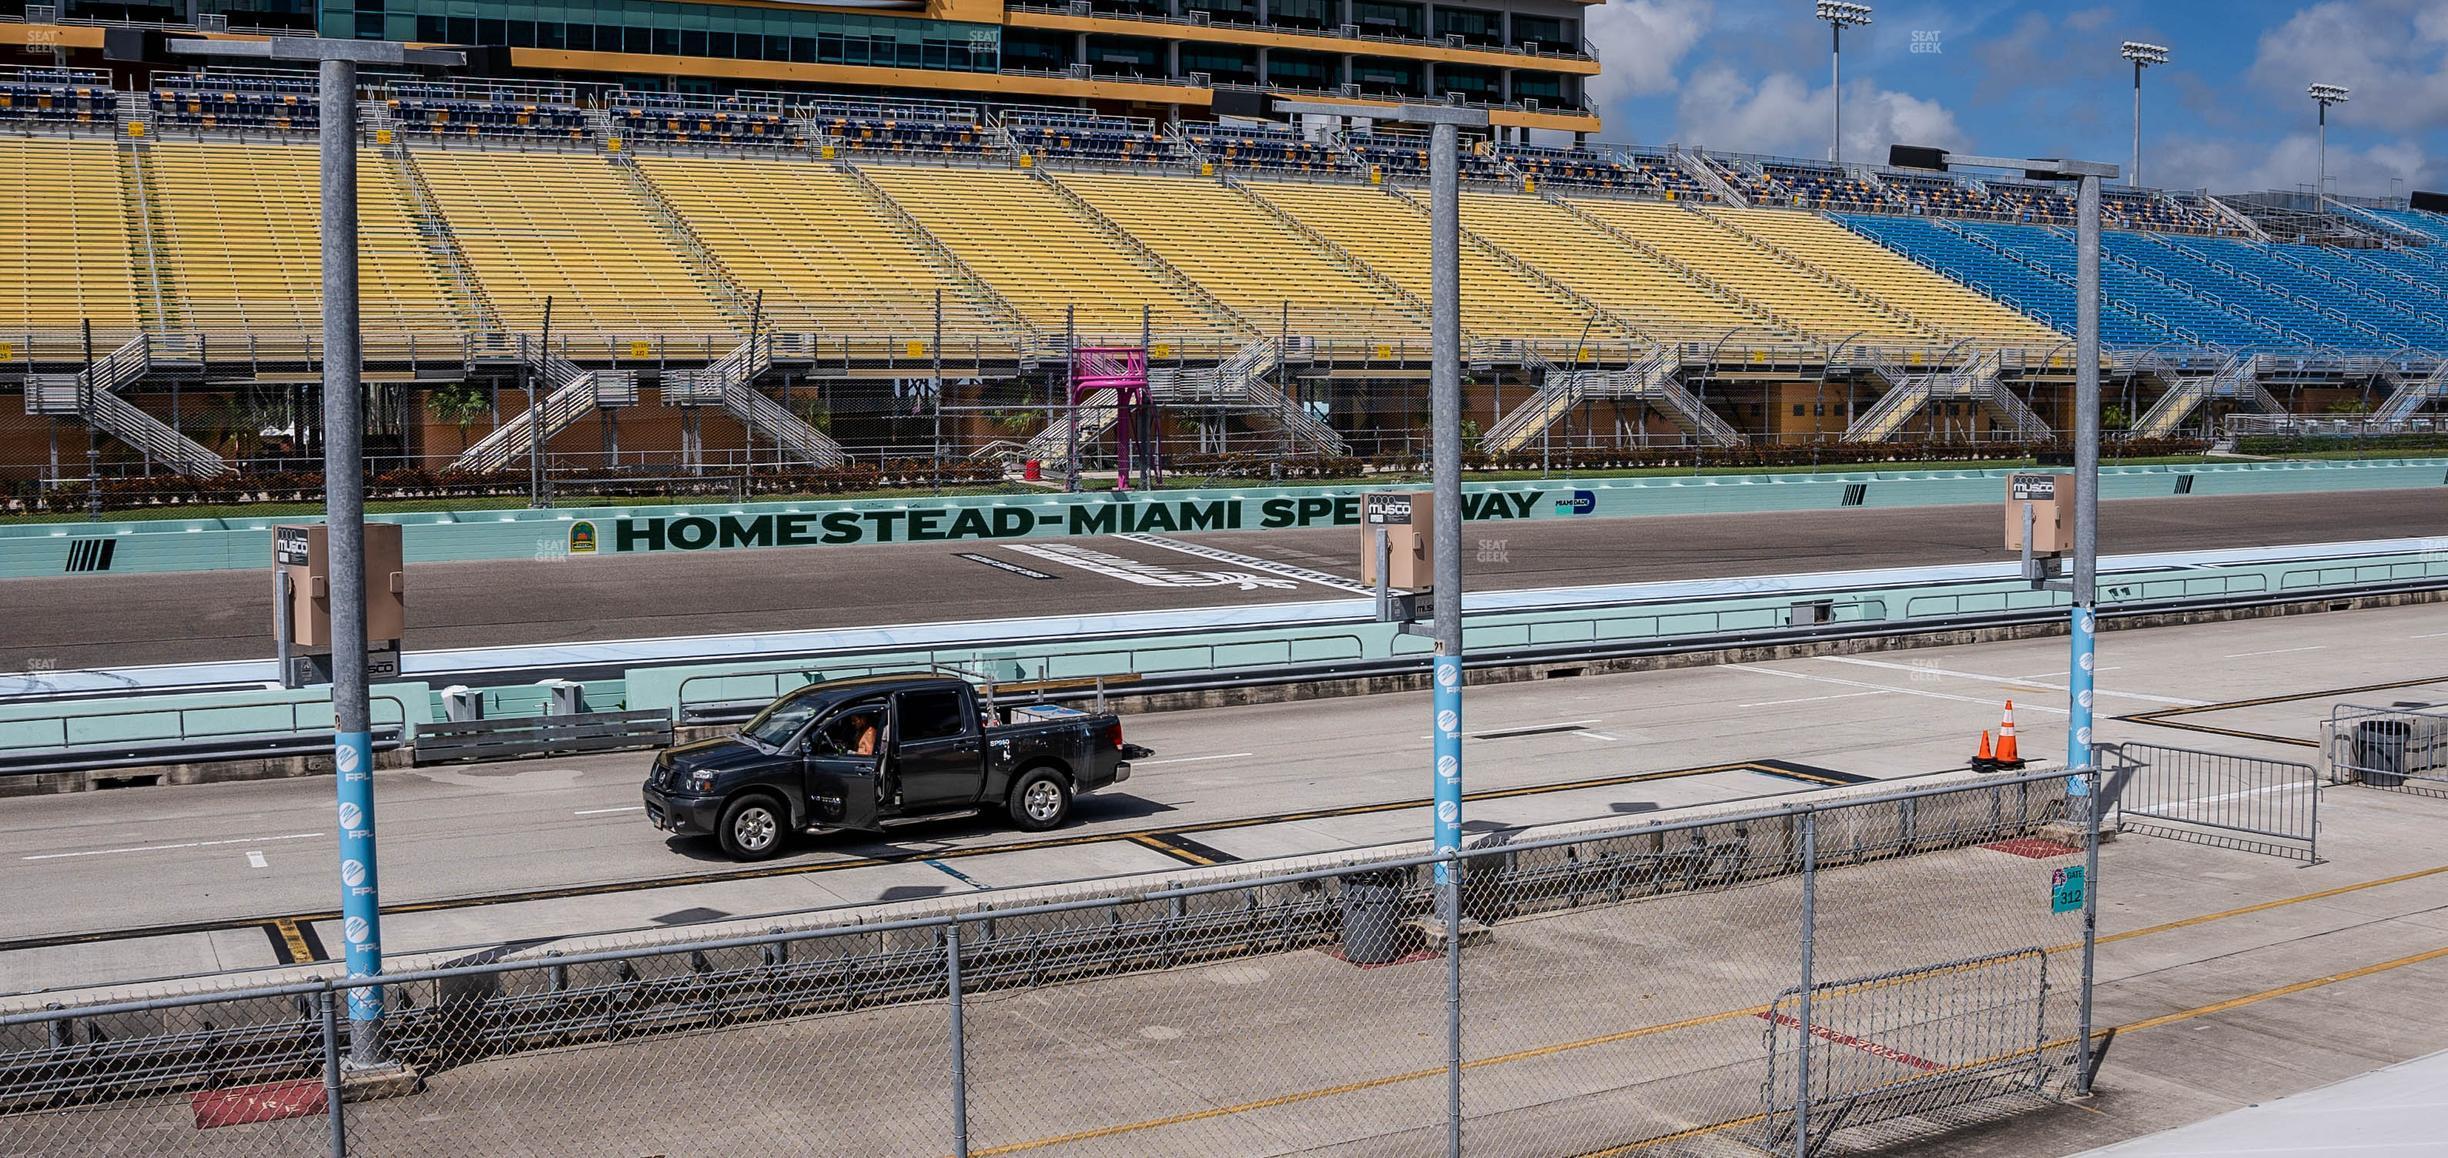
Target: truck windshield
(775, 726)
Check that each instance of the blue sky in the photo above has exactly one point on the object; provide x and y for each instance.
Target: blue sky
(2025, 78)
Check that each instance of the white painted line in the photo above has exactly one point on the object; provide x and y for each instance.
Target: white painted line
(168, 847)
(2275, 651)
(603, 811)
(2035, 684)
(1984, 702)
(1589, 735)
(255, 859)
(2433, 635)
(1190, 759)
(1811, 699)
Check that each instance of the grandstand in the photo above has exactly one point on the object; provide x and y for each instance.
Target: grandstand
(662, 227)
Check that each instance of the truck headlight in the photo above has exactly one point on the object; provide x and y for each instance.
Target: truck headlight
(700, 782)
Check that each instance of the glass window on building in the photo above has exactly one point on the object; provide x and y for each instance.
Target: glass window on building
(1384, 18)
(1383, 77)
(1553, 90)
(1474, 83)
(1314, 14)
(1473, 25)
(1224, 11)
(1549, 32)
(1225, 63)
(1310, 70)
(1125, 56)
(674, 29)
(1130, 7)
(1036, 49)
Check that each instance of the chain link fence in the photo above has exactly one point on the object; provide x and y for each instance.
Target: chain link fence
(1795, 979)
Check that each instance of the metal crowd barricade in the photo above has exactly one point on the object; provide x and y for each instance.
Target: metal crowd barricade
(2243, 802)
(2401, 747)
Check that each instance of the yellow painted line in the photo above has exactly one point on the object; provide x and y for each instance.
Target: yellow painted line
(1756, 1010)
(295, 938)
(1170, 849)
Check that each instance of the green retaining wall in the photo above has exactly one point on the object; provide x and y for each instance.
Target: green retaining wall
(169, 545)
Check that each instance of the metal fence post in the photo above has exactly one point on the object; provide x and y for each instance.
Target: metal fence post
(1810, 922)
(333, 1097)
(1452, 903)
(2090, 780)
(960, 1049)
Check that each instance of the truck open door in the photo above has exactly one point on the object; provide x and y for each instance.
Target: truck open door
(841, 791)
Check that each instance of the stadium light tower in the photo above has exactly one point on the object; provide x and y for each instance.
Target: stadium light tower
(2324, 95)
(1839, 16)
(344, 492)
(2143, 56)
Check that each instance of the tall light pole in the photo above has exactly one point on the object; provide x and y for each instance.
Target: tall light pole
(2143, 56)
(344, 491)
(1839, 17)
(2324, 95)
(1445, 123)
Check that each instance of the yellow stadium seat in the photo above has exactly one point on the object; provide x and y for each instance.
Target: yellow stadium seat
(62, 206)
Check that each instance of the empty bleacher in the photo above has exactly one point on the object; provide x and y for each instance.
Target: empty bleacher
(1661, 302)
(660, 118)
(1096, 140)
(1572, 168)
(1264, 271)
(1044, 258)
(241, 226)
(1238, 149)
(51, 95)
(827, 260)
(449, 116)
(1794, 298)
(2303, 306)
(236, 102)
(2032, 290)
(1796, 185)
(67, 259)
(564, 226)
(2430, 227)
(2185, 316)
(1952, 310)
(950, 132)
(1391, 237)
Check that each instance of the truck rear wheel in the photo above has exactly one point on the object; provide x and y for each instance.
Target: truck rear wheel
(1040, 799)
(752, 828)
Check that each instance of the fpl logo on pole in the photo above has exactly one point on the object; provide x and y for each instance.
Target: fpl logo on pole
(344, 758)
(350, 817)
(1446, 675)
(1447, 721)
(352, 873)
(1448, 813)
(1448, 768)
(355, 929)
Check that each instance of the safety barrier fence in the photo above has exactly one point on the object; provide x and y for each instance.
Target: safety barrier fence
(2214, 798)
(1743, 978)
(2401, 747)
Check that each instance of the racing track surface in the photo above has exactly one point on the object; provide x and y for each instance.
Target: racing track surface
(87, 621)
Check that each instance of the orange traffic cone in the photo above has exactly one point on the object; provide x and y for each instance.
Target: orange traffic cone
(1982, 761)
(2008, 757)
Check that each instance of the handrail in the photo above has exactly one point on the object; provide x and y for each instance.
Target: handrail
(68, 722)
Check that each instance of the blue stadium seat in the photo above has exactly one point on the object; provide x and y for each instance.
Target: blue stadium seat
(2027, 287)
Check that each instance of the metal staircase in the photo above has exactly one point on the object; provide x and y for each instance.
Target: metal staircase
(1241, 383)
(2238, 378)
(1980, 381)
(467, 297)
(2410, 397)
(92, 397)
(1697, 167)
(1651, 381)
(1092, 418)
(570, 392)
(731, 383)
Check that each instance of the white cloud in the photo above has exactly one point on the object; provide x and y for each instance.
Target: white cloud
(1641, 42)
(2228, 166)
(2392, 53)
(1784, 115)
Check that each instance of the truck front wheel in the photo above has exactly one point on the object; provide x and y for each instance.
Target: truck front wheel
(752, 828)
(1040, 799)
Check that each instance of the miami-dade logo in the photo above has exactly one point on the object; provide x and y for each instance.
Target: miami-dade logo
(1580, 503)
(582, 538)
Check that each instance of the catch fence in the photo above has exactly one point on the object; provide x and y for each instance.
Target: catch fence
(1632, 988)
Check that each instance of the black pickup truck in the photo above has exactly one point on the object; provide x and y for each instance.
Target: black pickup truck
(864, 753)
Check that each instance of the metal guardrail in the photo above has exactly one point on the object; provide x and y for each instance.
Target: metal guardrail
(2214, 798)
(2402, 747)
(183, 734)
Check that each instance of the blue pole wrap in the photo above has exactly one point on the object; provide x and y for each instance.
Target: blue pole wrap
(2078, 690)
(1448, 708)
(360, 899)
